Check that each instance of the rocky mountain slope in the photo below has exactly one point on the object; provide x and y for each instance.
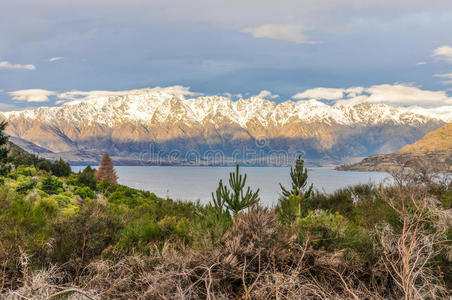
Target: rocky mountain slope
(158, 126)
(433, 150)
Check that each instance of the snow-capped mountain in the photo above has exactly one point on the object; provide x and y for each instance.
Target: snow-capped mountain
(129, 126)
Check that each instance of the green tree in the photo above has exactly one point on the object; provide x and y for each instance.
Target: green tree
(4, 160)
(218, 202)
(44, 165)
(60, 168)
(299, 193)
(235, 199)
(87, 178)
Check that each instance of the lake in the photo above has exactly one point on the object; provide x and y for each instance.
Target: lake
(197, 183)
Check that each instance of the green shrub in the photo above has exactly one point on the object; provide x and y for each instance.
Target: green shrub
(26, 187)
(174, 227)
(323, 229)
(63, 201)
(47, 205)
(83, 236)
(85, 192)
(340, 201)
(139, 233)
(25, 171)
(60, 168)
(44, 165)
(288, 208)
(50, 185)
(87, 178)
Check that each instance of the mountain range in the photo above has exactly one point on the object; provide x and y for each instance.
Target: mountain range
(151, 126)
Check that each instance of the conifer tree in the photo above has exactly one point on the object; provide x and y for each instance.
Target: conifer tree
(300, 192)
(235, 199)
(106, 171)
(4, 166)
(50, 185)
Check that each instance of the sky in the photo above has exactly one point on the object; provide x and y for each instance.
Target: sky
(396, 52)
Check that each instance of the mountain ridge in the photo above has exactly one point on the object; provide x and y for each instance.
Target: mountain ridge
(128, 126)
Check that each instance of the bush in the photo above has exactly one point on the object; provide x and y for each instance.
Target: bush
(322, 228)
(139, 233)
(26, 187)
(60, 168)
(85, 192)
(87, 178)
(44, 165)
(25, 171)
(63, 201)
(47, 205)
(84, 236)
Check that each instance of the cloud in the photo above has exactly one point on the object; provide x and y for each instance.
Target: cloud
(7, 65)
(406, 95)
(32, 95)
(292, 33)
(354, 91)
(56, 58)
(443, 53)
(321, 93)
(266, 95)
(88, 95)
(421, 63)
(393, 94)
(176, 90)
(448, 78)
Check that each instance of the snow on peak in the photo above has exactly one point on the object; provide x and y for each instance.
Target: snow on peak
(169, 104)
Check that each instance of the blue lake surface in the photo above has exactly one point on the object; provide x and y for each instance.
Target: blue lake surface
(197, 183)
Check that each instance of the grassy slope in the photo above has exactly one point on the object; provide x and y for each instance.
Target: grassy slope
(439, 140)
(434, 149)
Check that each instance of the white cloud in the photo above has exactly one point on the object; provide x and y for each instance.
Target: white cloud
(266, 95)
(443, 53)
(232, 96)
(176, 90)
(421, 63)
(292, 33)
(56, 58)
(406, 95)
(7, 65)
(354, 91)
(321, 93)
(393, 94)
(88, 95)
(32, 95)
(447, 77)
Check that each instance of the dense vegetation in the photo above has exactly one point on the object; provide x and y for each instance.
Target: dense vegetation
(70, 235)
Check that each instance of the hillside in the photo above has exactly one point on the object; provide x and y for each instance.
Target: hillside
(151, 126)
(435, 149)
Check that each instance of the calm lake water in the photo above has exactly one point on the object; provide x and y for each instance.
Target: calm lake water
(197, 183)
